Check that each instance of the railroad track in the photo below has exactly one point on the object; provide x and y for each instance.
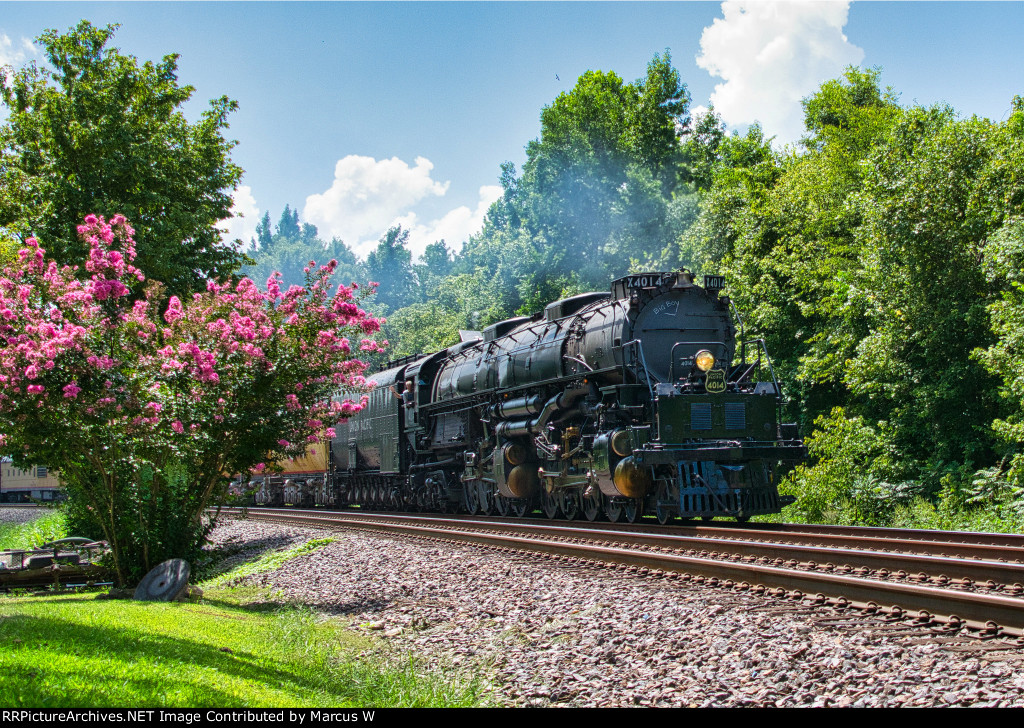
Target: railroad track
(953, 581)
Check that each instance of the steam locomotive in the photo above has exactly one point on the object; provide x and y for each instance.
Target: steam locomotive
(638, 401)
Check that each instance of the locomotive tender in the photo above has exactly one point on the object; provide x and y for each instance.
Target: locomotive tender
(638, 401)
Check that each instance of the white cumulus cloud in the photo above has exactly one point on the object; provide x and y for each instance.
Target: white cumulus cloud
(367, 196)
(770, 55)
(246, 216)
(14, 55)
(454, 227)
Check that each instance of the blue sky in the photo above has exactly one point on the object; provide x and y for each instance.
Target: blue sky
(361, 115)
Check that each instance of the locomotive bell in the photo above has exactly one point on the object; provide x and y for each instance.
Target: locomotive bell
(631, 480)
(684, 279)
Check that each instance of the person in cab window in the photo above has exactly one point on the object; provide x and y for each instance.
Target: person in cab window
(407, 395)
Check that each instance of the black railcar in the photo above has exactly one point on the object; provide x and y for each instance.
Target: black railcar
(623, 403)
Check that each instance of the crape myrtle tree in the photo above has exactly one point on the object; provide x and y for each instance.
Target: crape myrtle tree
(148, 404)
(95, 131)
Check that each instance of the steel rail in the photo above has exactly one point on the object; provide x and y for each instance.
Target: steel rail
(968, 545)
(984, 611)
(949, 568)
(974, 561)
(915, 542)
(1012, 540)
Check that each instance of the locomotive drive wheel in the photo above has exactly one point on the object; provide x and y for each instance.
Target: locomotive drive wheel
(521, 506)
(634, 510)
(592, 505)
(549, 504)
(501, 505)
(612, 509)
(569, 500)
(486, 498)
(664, 514)
(470, 499)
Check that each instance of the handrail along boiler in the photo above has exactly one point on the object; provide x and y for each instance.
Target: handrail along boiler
(619, 404)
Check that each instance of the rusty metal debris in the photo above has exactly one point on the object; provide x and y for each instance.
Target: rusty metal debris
(66, 562)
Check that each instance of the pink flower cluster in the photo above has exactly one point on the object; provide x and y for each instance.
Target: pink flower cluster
(96, 352)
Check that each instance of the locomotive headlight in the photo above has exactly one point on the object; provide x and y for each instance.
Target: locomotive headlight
(704, 360)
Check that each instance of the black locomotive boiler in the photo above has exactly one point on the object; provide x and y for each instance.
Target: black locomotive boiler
(638, 401)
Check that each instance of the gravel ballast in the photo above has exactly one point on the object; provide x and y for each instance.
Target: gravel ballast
(19, 514)
(544, 633)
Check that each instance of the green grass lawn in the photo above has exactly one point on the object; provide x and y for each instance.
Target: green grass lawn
(75, 651)
(237, 647)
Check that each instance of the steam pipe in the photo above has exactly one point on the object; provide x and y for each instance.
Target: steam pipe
(516, 407)
(438, 464)
(521, 428)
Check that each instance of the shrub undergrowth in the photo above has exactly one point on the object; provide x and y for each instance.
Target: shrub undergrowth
(51, 526)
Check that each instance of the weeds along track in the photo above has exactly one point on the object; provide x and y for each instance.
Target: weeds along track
(949, 581)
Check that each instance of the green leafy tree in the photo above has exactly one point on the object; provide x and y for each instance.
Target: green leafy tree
(605, 190)
(850, 113)
(290, 249)
(743, 168)
(702, 148)
(596, 185)
(421, 328)
(1005, 356)
(97, 131)
(935, 193)
(264, 239)
(8, 251)
(435, 265)
(879, 264)
(855, 476)
(782, 228)
(288, 226)
(390, 265)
